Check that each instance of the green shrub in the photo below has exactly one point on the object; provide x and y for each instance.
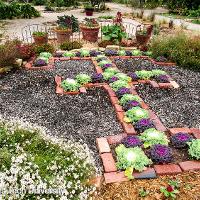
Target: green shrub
(182, 49)
(70, 45)
(43, 48)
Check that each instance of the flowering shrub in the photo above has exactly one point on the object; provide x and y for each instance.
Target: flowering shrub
(144, 74)
(123, 77)
(131, 158)
(83, 79)
(194, 149)
(97, 78)
(133, 76)
(110, 52)
(84, 53)
(68, 54)
(120, 92)
(136, 52)
(143, 124)
(129, 97)
(131, 141)
(70, 85)
(119, 84)
(32, 160)
(179, 140)
(160, 154)
(152, 136)
(135, 114)
(131, 104)
(39, 62)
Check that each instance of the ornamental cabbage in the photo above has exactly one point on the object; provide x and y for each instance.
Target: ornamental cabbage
(45, 54)
(107, 75)
(70, 85)
(83, 79)
(112, 70)
(84, 53)
(157, 72)
(144, 74)
(194, 149)
(180, 140)
(131, 141)
(122, 53)
(136, 52)
(119, 84)
(103, 62)
(152, 136)
(129, 97)
(68, 54)
(123, 77)
(135, 114)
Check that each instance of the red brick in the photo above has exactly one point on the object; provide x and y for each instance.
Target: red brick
(142, 81)
(115, 177)
(108, 162)
(114, 100)
(177, 130)
(144, 105)
(133, 91)
(118, 108)
(103, 145)
(158, 124)
(59, 90)
(99, 70)
(190, 165)
(165, 85)
(120, 116)
(196, 132)
(111, 93)
(153, 115)
(58, 80)
(167, 169)
(148, 173)
(116, 139)
(128, 128)
(154, 84)
(174, 84)
(134, 82)
(97, 181)
(72, 93)
(83, 90)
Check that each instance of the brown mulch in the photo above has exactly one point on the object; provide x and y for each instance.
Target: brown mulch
(189, 188)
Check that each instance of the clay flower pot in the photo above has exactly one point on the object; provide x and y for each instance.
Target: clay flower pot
(40, 39)
(63, 35)
(90, 34)
(89, 11)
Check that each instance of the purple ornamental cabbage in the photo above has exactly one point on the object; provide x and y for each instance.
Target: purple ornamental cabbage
(130, 104)
(58, 54)
(122, 91)
(143, 124)
(133, 76)
(160, 154)
(110, 52)
(162, 79)
(179, 140)
(78, 54)
(131, 141)
(94, 53)
(128, 53)
(105, 66)
(113, 79)
(97, 78)
(101, 58)
(40, 62)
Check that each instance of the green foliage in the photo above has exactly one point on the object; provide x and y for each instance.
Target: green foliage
(83, 79)
(107, 75)
(144, 74)
(106, 17)
(84, 53)
(112, 70)
(143, 192)
(136, 52)
(68, 54)
(157, 72)
(119, 84)
(39, 33)
(70, 85)
(122, 53)
(43, 48)
(169, 192)
(129, 97)
(16, 10)
(123, 77)
(131, 158)
(68, 45)
(113, 33)
(182, 49)
(45, 54)
(135, 114)
(152, 136)
(194, 149)
(103, 62)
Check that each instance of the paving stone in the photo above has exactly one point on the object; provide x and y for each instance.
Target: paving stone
(103, 145)
(146, 174)
(174, 84)
(190, 165)
(108, 162)
(115, 177)
(167, 169)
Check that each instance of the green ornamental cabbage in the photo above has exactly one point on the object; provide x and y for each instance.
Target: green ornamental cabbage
(194, 149)
(68, 54)
(70, 85)
(129, 97)
(144, 74)
(136, 52)
(122, 53)
(45, 54)
(103, 62)
(135, 114)
(123, 77)
(119, 84)
(84, 53)
(112, 70)
(157, 72)
(152, 136)
(107, 75)
(83, 79)
(43, 58)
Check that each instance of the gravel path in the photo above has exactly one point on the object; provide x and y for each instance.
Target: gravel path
(176, 108)
(30, 95)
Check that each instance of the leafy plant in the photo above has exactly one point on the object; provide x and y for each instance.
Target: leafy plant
(123, 77)
(169, 191)
(84, 53)
(68, 45)
(133, 158)
(143, 192)
(39, 33)
(121, 91)
(70, 85)
(97, 78)
(107, 75)
(194, 149)
(135, 114)
(94, 53)
(113, 33)
(90, 22)
(113, 79)
(119, 84)
(111, 52)
(122, 53)
(45, 55)
(131, 141)
(130, 104)
(83, 79)
(104, 62)
(143, 124)
(25, 51)
(43, 48)
(180, 140)
(158, 72)
(144, 74)
(129, 97)
(160, 154)
(39, 62)
(112, 70)
(133, 76)
(152, 136)
(162, 79)
(68, 54)
(136, 52)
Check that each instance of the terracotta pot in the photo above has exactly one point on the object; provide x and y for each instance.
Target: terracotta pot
(40, 39)
(142, 39)
(63, 35)
(89, 11)
(90, 34)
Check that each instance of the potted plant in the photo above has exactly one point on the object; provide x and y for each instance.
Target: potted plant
(90, 30)
(66, 26)
(89, 9)
(40, 37)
